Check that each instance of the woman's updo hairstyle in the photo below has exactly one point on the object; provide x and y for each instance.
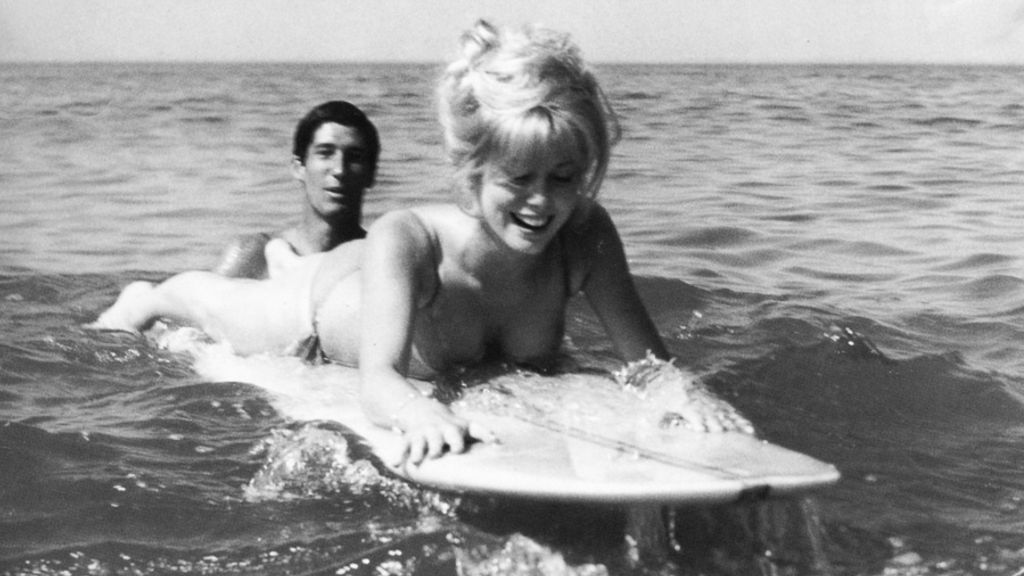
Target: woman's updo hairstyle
(523, 92)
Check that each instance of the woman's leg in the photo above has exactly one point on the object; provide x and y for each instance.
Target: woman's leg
(186, 297)
(251, 315)
(337, 320)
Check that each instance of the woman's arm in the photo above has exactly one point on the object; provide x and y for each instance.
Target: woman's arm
(611, 292)
(610, 289)
(398, 271)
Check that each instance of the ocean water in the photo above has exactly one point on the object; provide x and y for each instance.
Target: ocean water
(835, 249)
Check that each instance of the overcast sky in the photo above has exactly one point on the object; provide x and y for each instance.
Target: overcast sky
(939, 31)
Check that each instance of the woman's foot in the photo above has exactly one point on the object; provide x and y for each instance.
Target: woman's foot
(125, 314)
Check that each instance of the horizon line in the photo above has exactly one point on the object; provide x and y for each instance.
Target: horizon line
(596, 63)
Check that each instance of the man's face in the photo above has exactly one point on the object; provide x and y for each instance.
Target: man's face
(336, 170)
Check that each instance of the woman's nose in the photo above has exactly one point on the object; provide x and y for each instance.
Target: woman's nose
(538, 192)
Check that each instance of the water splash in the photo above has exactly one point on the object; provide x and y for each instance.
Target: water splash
(689, 402)
(519, 555)
(308, 462)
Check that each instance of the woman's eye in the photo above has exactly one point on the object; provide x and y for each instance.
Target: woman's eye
(564, 179)
(522, 180)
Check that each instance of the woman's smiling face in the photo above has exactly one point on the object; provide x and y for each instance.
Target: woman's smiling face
(525, 201)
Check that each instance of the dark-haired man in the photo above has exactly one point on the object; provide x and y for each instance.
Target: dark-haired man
(334, 158)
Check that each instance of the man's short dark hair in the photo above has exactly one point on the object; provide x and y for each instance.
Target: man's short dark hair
(338, 112)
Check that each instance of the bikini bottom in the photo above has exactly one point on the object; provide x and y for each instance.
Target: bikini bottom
(310, 349)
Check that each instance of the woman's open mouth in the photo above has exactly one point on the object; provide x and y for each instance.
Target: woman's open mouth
(532, 223)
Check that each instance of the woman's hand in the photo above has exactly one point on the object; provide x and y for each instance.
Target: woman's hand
(430, 429)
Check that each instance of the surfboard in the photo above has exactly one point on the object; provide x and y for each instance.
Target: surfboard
(543, 460)
(567, 438)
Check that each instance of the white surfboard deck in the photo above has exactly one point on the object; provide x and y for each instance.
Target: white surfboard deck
(544, 456)
(554, 463)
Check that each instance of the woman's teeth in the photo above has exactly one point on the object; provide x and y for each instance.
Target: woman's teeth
(531, 222)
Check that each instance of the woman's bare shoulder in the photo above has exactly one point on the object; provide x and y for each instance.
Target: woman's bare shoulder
(412, 238)
(591, 240)
(423, 224)
(590, 217)
(438, 214)
(427, 216)
(590, 230)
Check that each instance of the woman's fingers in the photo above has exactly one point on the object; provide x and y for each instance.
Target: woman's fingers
(433, 441)
(481, 432)
(454, 437)
(417, 448)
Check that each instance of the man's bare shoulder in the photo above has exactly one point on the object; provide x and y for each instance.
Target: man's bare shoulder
(243, 257)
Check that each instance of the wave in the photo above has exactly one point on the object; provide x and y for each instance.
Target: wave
(947, 122)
